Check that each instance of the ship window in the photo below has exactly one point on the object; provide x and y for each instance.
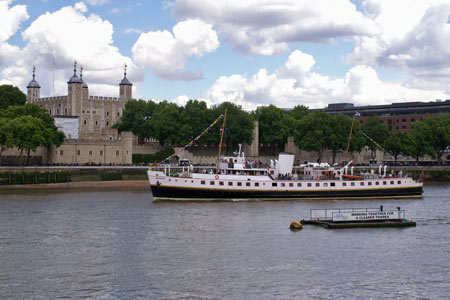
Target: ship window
(282, 184)
(352, 184)
(247, 184)
(384, 182)
(256, 183)
(299, 184)
(211, 182)
(399, 182)
(344, 184)
(291, 184)
(317, 184)
(392, 182)
(239, 183)
(202, 182)
(309, 184)
(332, 184)
(369, 183)
(325, 184)
(274, 184)
(220, 182)
(230, 183)
(361, 183)
(377, 183)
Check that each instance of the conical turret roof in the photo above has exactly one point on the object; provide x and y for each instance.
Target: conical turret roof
(33, 83)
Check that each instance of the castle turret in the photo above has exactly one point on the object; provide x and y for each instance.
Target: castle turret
(84, 86)
(74, 93)
(125, 87)
(34, 89)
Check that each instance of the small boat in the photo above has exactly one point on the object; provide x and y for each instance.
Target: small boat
(237, 178)
(357, 218)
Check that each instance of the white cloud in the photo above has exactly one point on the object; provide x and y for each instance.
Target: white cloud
(414, 35)
(97, 2)
(168, 54)
(133, 30)
(10, 20)
(266, 27)
(64, 36)
(296, 84)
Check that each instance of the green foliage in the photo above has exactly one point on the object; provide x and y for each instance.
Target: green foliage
(137, 116)
(399, 143)
(170, 124)
(376, 131)
(11, 95)
(239, 125)
(432, 135)
(273, 128)
(152, 158)
(312, 132)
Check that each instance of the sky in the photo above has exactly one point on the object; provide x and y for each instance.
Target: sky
(252, 52)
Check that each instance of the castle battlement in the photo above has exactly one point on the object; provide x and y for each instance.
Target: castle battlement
(103, 98)
(53, 98)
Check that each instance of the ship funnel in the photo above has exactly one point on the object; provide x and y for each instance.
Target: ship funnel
(240, 147)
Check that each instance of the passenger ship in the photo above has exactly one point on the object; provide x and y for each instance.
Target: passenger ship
(235, 178)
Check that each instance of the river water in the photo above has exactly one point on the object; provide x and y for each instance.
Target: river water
(117, 244)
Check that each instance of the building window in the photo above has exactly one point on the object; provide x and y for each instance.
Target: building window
(78, 152)
(107, 113)
(61, 152)
(84, 122)
(403, 120)
(107, 123)
(94, 112)
(65, 111)
(96, 123)
(117, 153)
(101, 152)
(50, 111)
(413, 120)
(118, 114)
(90, 152)
(57, 111)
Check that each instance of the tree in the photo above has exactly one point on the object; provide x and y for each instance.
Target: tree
(376, 131)
(170, 124)
(398, 143)
(273, 128)
(136, 118)
(312, 131)
(11, 95)
(198, 116)
(27, 133)
(38, 128)
(239, 125)
(436, 133)
(5, 136)
(338, 136)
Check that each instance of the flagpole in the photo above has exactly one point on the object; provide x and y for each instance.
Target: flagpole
(350, 136)
(221, 139)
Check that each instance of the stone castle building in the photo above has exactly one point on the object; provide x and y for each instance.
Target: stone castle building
(87, 122)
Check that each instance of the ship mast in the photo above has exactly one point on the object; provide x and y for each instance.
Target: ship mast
(221, 139)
